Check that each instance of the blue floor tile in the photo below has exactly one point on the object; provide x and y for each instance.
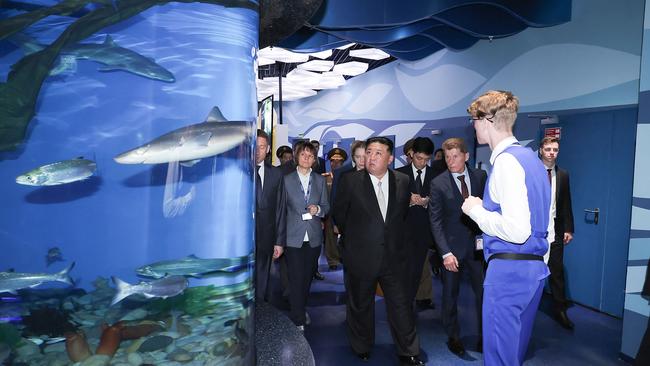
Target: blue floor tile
(595, 341)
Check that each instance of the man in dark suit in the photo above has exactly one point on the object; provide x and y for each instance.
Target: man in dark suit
(418, 233)
(370, 211)
(456, 235)
(319, 163)
(561, 210)
(268, 185)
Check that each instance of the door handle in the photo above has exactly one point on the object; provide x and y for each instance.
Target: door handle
(595, 212)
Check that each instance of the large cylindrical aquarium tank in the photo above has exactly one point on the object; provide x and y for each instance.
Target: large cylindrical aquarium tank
(126, 170)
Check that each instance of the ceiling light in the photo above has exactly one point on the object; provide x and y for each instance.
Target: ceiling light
(352, 68)
(322, 54)
(304, 78)
(345, 47)
(317, 65)
(369, 53)
(282, 55)
(261, 61)
(330, 80)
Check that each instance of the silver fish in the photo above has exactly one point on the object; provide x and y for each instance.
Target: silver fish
(61, 172)
(53, 255)
(165, 287)
(187, 144)
(193, 266)
(13, 281)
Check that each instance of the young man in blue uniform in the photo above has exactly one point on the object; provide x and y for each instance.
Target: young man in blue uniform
(514, 217)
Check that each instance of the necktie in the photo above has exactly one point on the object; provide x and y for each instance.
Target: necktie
(550, 177)
(381, 200)
(258, 185)
(418, 182)
(463, 186)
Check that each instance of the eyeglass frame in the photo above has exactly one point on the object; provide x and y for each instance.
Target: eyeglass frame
(489, 119)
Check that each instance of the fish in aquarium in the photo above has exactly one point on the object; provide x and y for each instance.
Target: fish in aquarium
(108, 53)
(61, 172)
(188, 144)
(193, 266)
(164, 288)
(13, 281)
(53, 255)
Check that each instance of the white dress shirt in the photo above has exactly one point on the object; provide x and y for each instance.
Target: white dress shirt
(384, 188)
(467, 181)
(507, 188)
(553, 189)
(260, 171)
(415, 173)
(304, 182)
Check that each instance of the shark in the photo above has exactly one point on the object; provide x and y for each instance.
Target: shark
(108, 53)
(191, 143)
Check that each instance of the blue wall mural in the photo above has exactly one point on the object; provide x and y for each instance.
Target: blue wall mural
(589, 62)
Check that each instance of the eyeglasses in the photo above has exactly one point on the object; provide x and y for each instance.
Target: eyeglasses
(472, 119)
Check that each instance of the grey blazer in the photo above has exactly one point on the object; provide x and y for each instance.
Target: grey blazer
(296, 206)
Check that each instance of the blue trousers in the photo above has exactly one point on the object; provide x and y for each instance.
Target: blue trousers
(511, 295)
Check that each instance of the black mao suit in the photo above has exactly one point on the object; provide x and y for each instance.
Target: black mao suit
(268, 221)
(373, 251)
(418, 234)
(455, 232)
(563, 224)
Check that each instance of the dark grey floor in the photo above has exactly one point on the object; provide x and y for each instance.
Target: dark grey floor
(595, 341)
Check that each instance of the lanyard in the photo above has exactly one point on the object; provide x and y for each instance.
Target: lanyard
(306, 194)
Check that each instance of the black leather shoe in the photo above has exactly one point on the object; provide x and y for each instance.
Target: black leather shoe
(479, 345)
(333, 267)
(410, 360)
(562, 318)
(455, 346)
(425, 304)
(365, 356)
(319, 276)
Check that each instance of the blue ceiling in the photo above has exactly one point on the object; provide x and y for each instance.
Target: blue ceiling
(414, 29)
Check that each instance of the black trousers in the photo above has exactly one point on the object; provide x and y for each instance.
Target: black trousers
(301, 265)
(556, 279)
(360, 307)
(262, 274)
(418, 250)
(473, 266)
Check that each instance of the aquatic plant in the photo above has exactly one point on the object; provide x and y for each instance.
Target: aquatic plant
(9, 335)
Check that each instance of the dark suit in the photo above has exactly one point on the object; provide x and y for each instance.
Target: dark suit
(373, 251)
(268, 222)
(319, 165)
(563, 224)
(418, 232)
(455, 233)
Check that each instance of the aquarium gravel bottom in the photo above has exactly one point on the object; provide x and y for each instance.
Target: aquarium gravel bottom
(206, 325)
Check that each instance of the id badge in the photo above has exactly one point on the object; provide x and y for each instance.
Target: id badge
(479, 243)
(306, 216)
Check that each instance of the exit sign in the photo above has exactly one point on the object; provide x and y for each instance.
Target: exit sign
(553, 132)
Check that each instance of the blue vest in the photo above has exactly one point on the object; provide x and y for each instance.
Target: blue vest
(539, 196)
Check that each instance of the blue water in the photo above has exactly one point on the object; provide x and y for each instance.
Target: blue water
(127, 216)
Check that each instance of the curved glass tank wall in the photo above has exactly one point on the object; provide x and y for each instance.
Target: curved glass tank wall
(126, 171)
